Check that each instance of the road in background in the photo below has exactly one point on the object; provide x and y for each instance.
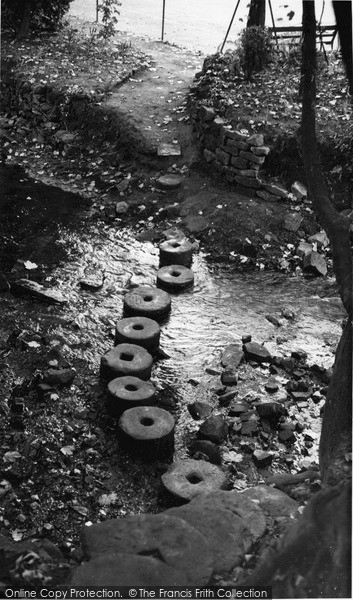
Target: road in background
(196, 24)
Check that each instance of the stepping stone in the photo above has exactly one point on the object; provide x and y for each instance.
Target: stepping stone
(127, 392)
(127, 570)
(138, 330)
(272, 501)
(147, 432)
(175, 278)
(169, 182)
(126, 359)
(171, 539)
(188, 478)
(146, 301)
(175, 252)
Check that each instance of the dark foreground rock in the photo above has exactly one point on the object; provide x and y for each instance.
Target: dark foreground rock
(313, 559)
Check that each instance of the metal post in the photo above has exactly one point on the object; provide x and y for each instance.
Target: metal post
(230, 26)
(97, 9)
(273, 23)
(163, 18)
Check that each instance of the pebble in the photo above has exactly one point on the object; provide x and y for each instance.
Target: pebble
(214, 429)
(199, 410)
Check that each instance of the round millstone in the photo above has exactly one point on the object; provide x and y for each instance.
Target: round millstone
(146, 301)
(138, 330)
(175, 278)
(128, 392)
(175, 252)
(126, 359)
(170, 539)
(127, 569)
(147, 432)
(188, 478)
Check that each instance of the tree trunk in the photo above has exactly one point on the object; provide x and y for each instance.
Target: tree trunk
(343, 14)
(336, 429)
(25, 22)
(257, 13)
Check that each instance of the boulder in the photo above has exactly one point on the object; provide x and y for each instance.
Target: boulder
(168, 538)
(320, 239)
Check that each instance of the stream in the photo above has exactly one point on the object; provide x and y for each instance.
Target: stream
(56, 232)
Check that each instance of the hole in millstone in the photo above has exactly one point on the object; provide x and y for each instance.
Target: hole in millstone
(147, 421)
(148, 298)
(194, 478)
(126, 356)
(175, 274)
(137, 327)
(130, 387)
(175, 244)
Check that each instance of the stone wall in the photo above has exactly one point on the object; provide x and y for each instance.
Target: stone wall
(236, 155)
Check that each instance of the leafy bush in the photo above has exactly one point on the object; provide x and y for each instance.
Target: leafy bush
(255, 49)
(33, 15)
(110, 12)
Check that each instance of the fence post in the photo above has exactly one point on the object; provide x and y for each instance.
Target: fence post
(163, 17)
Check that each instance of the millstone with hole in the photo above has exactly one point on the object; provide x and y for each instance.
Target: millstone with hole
(162, 537)
(127, 569)
(146, 301)
(128, 392)
(188, 478)
(126, 359)
(147, 432)
(138, 330)
(174, 278)
(175, 252)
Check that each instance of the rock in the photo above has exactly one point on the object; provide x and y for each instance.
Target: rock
(123, 186)
(299, 190)
(266, 196)
(229, 376)
(237, 408)
(286, 436)
(32, 288)
(249, 428)
(196, 224)
(246, 338)
(93, 283)
(292, 221)
(127, 570)
(273, 320)
(276, 190)
(188, 478)
(4, 284)
(165, 149)
(301, 396)
(59, 377)
(303, 249)
(272, 410)
(287, 480)
(256, 352)
(206, 113)
(260, 150)
(255, 140)
(205, 450)
(173, 233)
(315, 263)
(249, 182)
(225, 399)
(320, 239)
(271, 387)
(176, 542)
(169, 182)
(262, 459)
(226, 532)
(232, 356)
(121, 208)
(273, 502)
(199, 410)
(54, 358)
(214, 429)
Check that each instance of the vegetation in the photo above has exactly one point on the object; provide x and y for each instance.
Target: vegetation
(255, 50)
(23, 16)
